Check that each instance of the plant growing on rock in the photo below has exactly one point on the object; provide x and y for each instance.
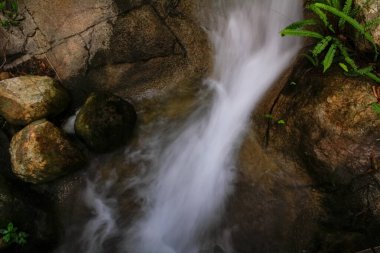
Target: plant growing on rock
(9, 13)
(331, 34)
(12, 235)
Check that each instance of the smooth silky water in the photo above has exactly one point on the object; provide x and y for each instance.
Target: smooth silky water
(191, 177)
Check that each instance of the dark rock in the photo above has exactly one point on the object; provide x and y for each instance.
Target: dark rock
(28, 212)
(105, 122)
(28, 98)
(40, 152)
(140, 35)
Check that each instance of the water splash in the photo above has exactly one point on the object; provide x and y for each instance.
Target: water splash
(194, 174)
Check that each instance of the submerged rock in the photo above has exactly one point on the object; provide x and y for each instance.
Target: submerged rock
(105, 122)
(25, 99)
(40, 153)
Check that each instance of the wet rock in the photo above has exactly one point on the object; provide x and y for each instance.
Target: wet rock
(275, 206)
(330, 123)
(40, 152)
(105, 122)
(331, 132)
(28, 98)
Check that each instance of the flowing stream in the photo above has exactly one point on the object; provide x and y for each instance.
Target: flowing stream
(194, 174)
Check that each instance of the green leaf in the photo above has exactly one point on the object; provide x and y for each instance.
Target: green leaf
(346, 10)
(14, 6)
(281, 122)
(7, 238)
(268, 116)
(321, 46)
(375, 107)
(301, 23)
(373, 77)
(292, 83)
(10, 226)
(336, 4)
(2, 5)
(371, 24)
(327, 61)
(349, 20)
(343, 66)
(302, 33)
(364, 71)
(343, 50)
(320, 14)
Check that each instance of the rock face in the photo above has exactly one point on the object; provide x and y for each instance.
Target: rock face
(105, 122)
(371, 11)
(275, 207)
(40, 153)
(28, 98)
(331, 132)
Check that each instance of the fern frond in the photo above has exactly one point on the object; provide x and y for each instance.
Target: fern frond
(321, 46)
(345, 54)
(364, 71)
(301, 23)
(322, 16)
(328, 60)
(373, 77)
(343, 66)
(346, 10)
(336, 4)
(347, 18)
(302, 33)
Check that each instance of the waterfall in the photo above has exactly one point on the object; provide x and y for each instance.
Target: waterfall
(194, 173)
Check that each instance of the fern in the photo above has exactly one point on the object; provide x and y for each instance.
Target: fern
(302, 23)
(348, 19)
(322, 16)
(372, 24)
(321, 46)
(302, 33)
(336, 4)
(346, 10)
(372, 76)
(328, 60)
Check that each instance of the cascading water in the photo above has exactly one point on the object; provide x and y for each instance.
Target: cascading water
(194, 174)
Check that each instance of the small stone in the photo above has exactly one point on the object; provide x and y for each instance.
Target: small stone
(40, 152)
(25, 99)
(105, 122)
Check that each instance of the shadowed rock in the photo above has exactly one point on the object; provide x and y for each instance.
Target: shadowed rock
(105, 122)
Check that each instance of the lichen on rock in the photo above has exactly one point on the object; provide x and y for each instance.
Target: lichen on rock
(25, 99)
(40, 152)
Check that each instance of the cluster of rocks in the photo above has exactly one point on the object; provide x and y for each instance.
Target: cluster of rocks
(40, 151)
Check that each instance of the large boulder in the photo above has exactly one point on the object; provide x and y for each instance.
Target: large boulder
(28, 98)
(40, 152)
(105, 122)
(331, 132)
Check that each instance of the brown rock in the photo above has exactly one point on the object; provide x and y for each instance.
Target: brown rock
(28, 98)
(4, 75)
(41, 153)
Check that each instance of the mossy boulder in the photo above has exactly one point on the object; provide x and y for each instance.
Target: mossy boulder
(25, 99)
(40, 152)
(105, 122)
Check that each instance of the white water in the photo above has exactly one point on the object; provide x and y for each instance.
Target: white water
(194, 174)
